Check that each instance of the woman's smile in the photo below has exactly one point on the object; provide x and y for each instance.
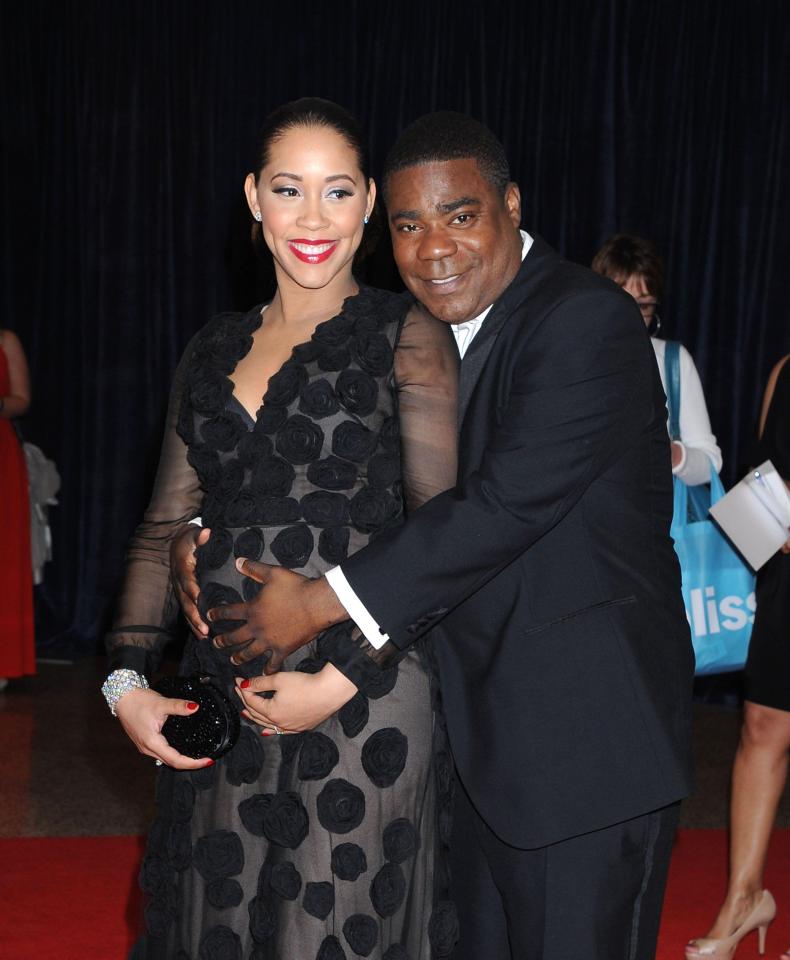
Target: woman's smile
(312, 251)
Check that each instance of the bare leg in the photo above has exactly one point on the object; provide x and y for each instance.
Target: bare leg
(758, 779)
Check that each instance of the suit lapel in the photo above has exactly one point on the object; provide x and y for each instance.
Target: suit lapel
(475, 358)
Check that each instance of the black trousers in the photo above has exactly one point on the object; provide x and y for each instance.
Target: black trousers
(597, 896)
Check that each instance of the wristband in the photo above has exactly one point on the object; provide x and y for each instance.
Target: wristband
(119, 683)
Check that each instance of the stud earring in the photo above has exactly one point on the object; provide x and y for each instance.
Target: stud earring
(258, 216)
(366, 220)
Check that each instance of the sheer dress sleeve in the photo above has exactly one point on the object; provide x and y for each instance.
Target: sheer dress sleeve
(426, 381)
(426, 376)
(147, 610)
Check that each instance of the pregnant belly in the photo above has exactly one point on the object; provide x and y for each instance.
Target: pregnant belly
(221, 584)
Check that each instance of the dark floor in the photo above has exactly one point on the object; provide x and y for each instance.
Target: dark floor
(68, 769)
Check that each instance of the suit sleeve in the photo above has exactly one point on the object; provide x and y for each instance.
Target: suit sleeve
(580, 396)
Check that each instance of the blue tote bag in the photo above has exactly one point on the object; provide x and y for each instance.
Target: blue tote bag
(698, 497)
(718, 587)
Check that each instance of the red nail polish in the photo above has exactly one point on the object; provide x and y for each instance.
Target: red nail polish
(192, 706)
(244, 684)
(268, 733)
(209, 763)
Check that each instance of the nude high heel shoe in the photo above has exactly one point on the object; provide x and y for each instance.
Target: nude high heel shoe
(759, 918)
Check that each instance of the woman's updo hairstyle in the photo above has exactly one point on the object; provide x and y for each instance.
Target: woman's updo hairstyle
(315, 112)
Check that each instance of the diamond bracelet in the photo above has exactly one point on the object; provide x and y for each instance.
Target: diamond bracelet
(120, 682)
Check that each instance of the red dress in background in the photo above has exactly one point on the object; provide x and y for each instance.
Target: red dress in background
(17, 643)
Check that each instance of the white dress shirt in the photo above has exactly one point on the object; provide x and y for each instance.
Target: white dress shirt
(464, 334)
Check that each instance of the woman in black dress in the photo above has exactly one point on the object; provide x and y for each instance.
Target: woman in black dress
(760, 770)
(322, 844)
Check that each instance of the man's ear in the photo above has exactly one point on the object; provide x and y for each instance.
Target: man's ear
(513, 203)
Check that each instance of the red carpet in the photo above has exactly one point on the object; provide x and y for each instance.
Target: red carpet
(70, 898)
(75, 898)
(697, 880)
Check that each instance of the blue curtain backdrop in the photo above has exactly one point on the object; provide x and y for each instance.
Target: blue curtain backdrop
(126, 132)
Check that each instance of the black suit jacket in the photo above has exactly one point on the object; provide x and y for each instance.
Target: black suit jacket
(564, 650)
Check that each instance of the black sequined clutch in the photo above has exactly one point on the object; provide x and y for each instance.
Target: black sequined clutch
(212, 729)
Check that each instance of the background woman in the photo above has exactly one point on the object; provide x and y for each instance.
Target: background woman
(760, 770)
(17, 641)
(635, 264)
(304, 845)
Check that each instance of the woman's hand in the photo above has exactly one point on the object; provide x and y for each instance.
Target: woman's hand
(300, 701)
(143, 713)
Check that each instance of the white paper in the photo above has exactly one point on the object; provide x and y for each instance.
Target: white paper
(755, 514)
(781, 498)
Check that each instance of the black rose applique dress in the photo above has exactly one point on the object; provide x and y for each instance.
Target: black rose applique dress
(326, 844)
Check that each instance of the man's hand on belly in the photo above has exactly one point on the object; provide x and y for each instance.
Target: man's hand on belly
(285, 615)
(182, 574)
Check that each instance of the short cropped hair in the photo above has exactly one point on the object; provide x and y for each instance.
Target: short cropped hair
(625, 255)
(447, 135)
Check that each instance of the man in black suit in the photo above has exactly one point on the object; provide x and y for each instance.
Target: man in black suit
(547, 575)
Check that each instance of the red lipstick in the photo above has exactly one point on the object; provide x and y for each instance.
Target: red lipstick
(312, 251)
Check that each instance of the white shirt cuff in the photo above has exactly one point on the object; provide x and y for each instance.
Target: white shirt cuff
(355, 608)
(682, 462)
